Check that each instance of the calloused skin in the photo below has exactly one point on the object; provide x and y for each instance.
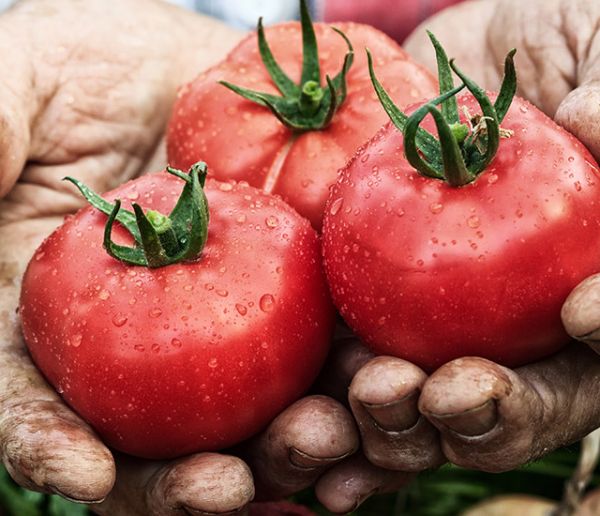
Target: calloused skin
(87, 91)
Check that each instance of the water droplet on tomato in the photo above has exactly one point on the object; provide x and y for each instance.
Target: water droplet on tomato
(75, 340)
(242, 310)
(188, 288)
(133, 195)
(272, 221)
(155, 312)
(222, 292)
(266, 303)
(571, 159)
(39, 256)
(155, 347)
(336, 205)
(241, 219)
(104, 295)
(119, 320)
(226, 187)
(400, 212)
(365, 158)
(139, 347)
(264, 345)
(436, 207)
(492, 178)
(473, 221)
(577, 186)
(381, 320)
(523, 109)
(176, 343)
(212, 363)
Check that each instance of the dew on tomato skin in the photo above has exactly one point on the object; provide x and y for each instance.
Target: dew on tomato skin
(336, 205)
(272, 221)
(222, 292)
(242, 310)
(436, 207)
(155, 347)
(212, 363)
(75, 340)
(266, 303)
(119, 320)
(155, 312)
(139, 347)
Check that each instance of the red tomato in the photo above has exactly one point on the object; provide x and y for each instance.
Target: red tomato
(192, 356)
(247, 142)
(430, 272)
(386, 15)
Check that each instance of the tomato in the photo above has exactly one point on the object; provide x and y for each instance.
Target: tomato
(247, 142)
(384, 14)
(191, 356)
(431, 272)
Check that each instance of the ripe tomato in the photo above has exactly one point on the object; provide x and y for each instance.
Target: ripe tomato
(247, 142)
(191, 356)
(430, 272)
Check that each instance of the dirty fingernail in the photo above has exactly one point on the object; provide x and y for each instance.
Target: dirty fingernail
(470, 423)
(305, 461)
(395, 416)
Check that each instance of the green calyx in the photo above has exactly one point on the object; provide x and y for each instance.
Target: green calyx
(462, 150)
(159, 239)
(306, 106)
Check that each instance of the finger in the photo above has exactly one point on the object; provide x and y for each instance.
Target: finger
(580, 109)
(581, 312)
(201, 484)
(344, 487)
(383, 397)
(44, 445)
(303, 441)
(346, 357)
(494, 419)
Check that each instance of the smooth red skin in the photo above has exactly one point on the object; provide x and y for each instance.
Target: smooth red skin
(231, 373)
(431, 287)
(246, 142)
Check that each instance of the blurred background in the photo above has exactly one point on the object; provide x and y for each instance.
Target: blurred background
(449, 491)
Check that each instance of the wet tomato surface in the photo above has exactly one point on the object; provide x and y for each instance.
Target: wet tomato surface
(247, 142)
(430, 272)
(192, 356)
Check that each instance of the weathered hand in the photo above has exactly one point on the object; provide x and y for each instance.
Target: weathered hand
(471, 411)
(87, 91)
(558, 56)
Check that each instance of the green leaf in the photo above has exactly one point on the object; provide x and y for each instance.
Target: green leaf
(124, 217)
(285, 85)
(508, 88)
(310, 54)
(450, 105)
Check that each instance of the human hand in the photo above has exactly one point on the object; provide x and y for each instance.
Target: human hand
(471, 411)
(558, 57)
(87, 91)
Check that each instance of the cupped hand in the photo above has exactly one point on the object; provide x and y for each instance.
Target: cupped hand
(86, 92)
(471, 411)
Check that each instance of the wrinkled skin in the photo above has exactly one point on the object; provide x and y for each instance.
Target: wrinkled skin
(64, 456)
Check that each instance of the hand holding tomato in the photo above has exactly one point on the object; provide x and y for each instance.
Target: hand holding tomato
(102, 121)
(514, 416)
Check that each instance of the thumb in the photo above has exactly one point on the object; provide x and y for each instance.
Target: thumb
(581, 312)
(579, 113)
(16, 104)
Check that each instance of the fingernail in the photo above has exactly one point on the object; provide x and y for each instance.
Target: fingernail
(57, 491)
(470, 423)
(395, 416)
(198, 512)
(305, 461)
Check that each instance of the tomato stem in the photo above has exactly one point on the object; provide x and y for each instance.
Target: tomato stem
(462, 151)
(159, 239)
(306, 106)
